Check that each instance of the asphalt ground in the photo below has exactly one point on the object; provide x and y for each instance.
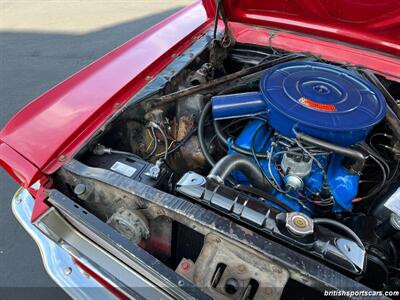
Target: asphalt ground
(41, 44)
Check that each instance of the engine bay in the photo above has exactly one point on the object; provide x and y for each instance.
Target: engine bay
(302, 151)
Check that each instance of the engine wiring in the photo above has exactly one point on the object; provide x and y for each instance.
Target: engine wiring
(311, 151)
(170, 150)
(154, 142)
(167, 150)
(274, 183)
(382, 165)
(256, 156)
(317, 162)
(158, 127)
(379, 134)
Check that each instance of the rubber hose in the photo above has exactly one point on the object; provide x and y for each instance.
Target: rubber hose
(200, 133)
(325, 221)
(393, 114)
(357, 157)
(236, 162)
(221, 135)
(391, 102)
(394, 123)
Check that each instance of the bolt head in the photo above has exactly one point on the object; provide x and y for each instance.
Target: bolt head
(62, 158)
(185, 266)
(232, 285)
(67, 271)
(80, 189)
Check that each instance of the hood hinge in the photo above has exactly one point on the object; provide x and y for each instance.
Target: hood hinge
(219, 46)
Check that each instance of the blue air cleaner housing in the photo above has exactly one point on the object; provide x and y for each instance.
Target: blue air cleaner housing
(322, 100)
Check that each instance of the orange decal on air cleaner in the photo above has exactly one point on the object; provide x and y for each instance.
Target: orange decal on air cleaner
(316, 105)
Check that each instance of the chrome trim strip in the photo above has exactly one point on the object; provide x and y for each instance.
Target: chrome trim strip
(56, 261)
(115, 272)
(122, 249)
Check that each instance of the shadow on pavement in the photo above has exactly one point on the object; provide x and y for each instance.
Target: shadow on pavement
(30, 64)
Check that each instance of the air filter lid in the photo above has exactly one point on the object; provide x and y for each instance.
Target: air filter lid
(321, 97)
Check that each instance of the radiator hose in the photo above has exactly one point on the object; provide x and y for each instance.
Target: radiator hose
(236, 162)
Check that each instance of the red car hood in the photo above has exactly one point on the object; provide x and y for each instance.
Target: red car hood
(366, 23)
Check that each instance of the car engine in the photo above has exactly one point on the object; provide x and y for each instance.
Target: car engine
(308, 114)
(301, 151)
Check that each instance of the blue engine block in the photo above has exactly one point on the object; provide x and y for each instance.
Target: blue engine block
(343, 185)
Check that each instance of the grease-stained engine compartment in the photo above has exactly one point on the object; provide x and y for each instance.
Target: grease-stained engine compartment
(245, 150)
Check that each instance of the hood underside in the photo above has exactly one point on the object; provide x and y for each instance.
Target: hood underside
(365, 23)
